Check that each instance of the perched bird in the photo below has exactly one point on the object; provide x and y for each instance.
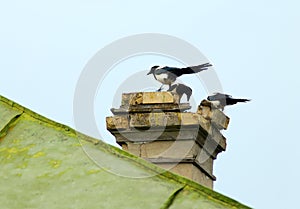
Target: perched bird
(181, 89)
(167, 75)
(222, 100)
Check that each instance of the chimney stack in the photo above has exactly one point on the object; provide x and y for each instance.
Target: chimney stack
(158, 128)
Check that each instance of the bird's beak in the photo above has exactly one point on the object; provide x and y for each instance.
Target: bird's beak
(149, 73)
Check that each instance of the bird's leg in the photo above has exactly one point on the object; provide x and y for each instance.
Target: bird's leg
(169, 87)
(160, 88)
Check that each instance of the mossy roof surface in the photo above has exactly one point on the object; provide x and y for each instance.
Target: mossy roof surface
(45, 164)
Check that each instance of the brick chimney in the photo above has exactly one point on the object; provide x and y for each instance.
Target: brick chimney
(158, 128)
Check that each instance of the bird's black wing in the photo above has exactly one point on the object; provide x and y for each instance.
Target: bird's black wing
(222, 98)
(218, 97)
(180, 71)
(167, 69)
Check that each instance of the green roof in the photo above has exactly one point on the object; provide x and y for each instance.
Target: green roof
(43, 165)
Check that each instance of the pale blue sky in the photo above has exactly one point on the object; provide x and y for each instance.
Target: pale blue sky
(254, 46)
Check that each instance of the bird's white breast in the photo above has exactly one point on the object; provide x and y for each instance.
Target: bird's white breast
(217, 104)
(163, 78)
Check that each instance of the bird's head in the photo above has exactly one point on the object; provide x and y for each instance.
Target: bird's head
(209, 98)
(152, 69)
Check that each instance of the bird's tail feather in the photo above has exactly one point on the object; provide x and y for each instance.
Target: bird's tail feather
(199, 68)
(242, 100)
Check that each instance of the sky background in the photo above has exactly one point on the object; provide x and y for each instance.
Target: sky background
(254, 46)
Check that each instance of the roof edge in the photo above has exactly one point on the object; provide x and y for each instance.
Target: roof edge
(44, 119)
(119, 152)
